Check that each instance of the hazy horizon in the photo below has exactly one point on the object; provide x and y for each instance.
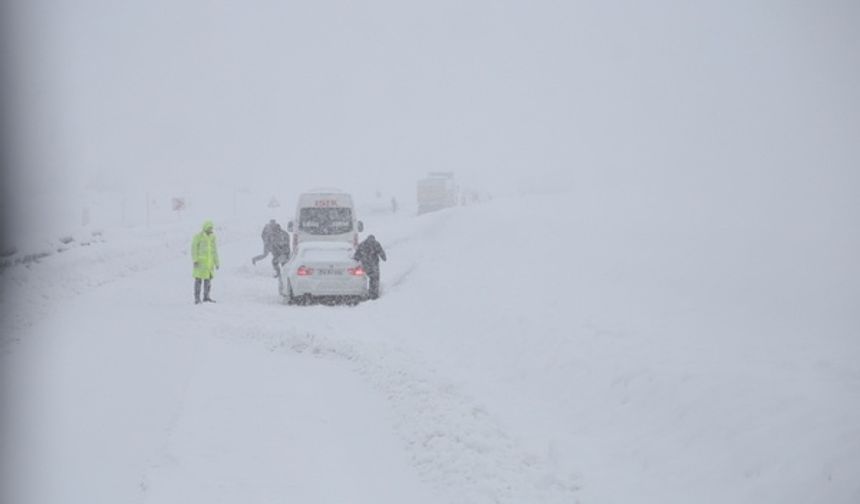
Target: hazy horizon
(710, 102)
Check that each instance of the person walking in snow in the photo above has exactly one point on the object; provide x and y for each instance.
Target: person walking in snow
(368, 253)
(280, 246)
(204, 253)
(268, 232)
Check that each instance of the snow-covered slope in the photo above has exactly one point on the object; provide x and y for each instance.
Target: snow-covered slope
(549, 348)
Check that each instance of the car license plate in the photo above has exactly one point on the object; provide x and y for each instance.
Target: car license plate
(331, 272)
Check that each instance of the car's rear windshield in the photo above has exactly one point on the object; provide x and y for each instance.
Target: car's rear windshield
(325, 221)
(323, 255)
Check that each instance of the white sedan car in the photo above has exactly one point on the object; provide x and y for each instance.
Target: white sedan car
(324, 270)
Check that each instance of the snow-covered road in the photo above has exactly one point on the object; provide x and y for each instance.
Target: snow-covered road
(599, 364)
(129, 391)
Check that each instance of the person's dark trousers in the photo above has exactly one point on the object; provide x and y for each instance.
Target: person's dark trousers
(207, 284)
(266, 250)
(278, 260)
(374, 284)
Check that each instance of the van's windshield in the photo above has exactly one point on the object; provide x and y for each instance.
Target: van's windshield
(325, 220)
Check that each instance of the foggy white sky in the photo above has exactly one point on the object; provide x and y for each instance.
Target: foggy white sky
(721, 99)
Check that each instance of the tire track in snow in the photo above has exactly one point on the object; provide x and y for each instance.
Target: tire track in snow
(427, 226)
(454, 443)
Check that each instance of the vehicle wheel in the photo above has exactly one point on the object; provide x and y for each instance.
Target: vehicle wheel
(291, 299)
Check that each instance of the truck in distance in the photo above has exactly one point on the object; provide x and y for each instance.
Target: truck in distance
(437, 191)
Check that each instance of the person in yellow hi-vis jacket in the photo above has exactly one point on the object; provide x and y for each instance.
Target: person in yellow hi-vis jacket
(204, 253)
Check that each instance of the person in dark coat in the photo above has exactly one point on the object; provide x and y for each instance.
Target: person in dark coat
(280, 247)
(368, 253)
(268, 232)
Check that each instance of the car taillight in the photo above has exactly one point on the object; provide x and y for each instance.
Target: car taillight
(357, 271)
(304, 271)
